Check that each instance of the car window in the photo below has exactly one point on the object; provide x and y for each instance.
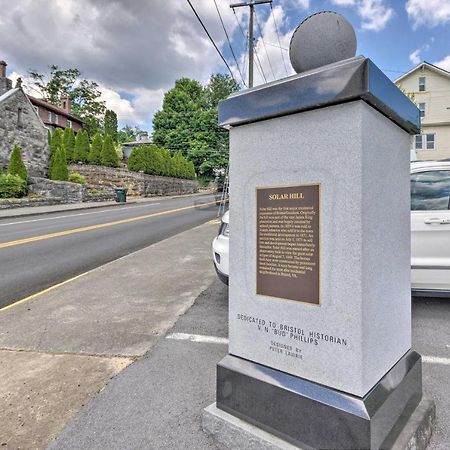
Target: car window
(430, 190)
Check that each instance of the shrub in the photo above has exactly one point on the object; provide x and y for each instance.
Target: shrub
(16, 165)
(153, 160)
(59, 170)
(109, 155)
(69, 143)
(76, 177)
(95, 155)
(56, 141)
(12, 186)
(136, 161)
(166, 162)
(119, 151)
(82, 147)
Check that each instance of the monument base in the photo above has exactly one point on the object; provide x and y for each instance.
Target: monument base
(311, 416)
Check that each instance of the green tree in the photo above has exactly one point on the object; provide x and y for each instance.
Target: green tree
(56, 141)
(166, 158)
(109, 156)
(59, 170)
(153, 160)
(82, 147)
(128, 134)
(187, 122)
(16, 165)
(69, 143)
(84, 94)
(136, 160)
(220, 86)
(110, 124)
(95, 155)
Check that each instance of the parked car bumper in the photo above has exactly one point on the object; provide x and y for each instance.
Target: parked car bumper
(220, 248)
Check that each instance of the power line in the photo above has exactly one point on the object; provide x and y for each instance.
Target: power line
(240, 26)
(229, 43)
(276, 46)
(251, 5)
(211, 39)
(258, 67)
(278, 37)
(265, 48)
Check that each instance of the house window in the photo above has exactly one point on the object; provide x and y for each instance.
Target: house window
(421, 84)
(69, 123)
(56, 118)
(422, 109)
(424, 141)
(49, 116)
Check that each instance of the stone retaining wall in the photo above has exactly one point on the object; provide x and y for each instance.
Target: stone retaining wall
(137, 183)
(69, 192)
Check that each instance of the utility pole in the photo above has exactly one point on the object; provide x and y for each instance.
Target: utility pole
(250, 34)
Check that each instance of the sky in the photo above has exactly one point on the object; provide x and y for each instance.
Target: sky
(136, 49)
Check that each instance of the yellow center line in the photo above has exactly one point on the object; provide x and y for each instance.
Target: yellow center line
(38, 294)
(98, 226)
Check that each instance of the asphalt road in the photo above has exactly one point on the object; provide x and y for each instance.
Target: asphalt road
(40, 251)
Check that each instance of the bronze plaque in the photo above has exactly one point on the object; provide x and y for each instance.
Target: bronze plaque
(287, 242)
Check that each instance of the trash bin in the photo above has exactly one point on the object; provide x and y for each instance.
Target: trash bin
(121, 195)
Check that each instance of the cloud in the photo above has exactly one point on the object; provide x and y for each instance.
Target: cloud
(444, 63)
(414, 57)
(272, 59)
(428, 13)
(137, 47)
(374, 14)
(304, 4)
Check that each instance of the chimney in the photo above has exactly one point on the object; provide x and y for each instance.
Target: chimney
(143, 137)
(3, 69)
(5, 83)
(66, 104)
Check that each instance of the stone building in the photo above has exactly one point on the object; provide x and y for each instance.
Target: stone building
(20, 124)
(142, 139)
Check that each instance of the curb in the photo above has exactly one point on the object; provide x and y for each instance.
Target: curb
(132, 202)
(41, 213)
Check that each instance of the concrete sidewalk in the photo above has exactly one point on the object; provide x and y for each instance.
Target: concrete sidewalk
(37, 210)
(61, 348)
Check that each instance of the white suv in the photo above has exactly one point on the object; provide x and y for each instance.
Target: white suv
(430, 228)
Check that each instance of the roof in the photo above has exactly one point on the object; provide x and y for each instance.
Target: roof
(136, 143)
(428, 65)
(49, 106)
(8, 94)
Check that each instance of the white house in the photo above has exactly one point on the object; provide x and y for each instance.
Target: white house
(430, 87)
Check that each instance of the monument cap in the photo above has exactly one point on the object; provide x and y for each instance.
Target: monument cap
(322, 38)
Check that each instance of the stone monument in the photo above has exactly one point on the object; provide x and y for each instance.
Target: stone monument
(319, 299)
